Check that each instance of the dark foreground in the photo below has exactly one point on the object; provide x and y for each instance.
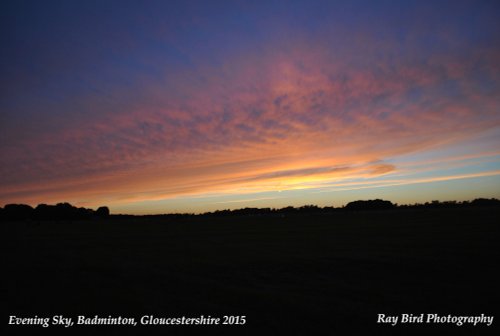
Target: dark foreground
(300, 275)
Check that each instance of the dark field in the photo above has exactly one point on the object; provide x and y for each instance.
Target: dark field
(304, 275)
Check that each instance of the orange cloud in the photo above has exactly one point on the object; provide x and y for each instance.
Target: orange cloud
(273, 120)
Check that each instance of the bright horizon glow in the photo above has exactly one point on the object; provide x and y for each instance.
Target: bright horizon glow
(166, 107)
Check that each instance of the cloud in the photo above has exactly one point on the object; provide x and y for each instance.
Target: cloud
(291, 114)
(401, 182)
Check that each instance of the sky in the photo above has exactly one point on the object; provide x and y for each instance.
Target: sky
(194, 106)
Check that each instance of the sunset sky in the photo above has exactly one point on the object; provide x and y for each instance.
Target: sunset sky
(193, 106)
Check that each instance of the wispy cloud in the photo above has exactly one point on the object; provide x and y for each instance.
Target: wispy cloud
(391, 183)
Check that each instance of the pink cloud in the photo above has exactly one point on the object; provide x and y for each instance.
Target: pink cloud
(274, 116)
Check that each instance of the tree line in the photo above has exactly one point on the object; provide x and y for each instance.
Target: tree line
(44, 212)
(360, 205)
(65, 211)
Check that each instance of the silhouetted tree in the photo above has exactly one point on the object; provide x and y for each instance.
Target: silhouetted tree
(485, 202)
(377, 204)
(84, 213)
(102, 212)
(287, 210)
(65, 211)
(44, 212)
(17, 212)
(308, 209)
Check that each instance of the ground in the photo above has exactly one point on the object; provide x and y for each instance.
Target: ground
(301, 275)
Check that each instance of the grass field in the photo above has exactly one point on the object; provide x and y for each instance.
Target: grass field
(304, 275)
